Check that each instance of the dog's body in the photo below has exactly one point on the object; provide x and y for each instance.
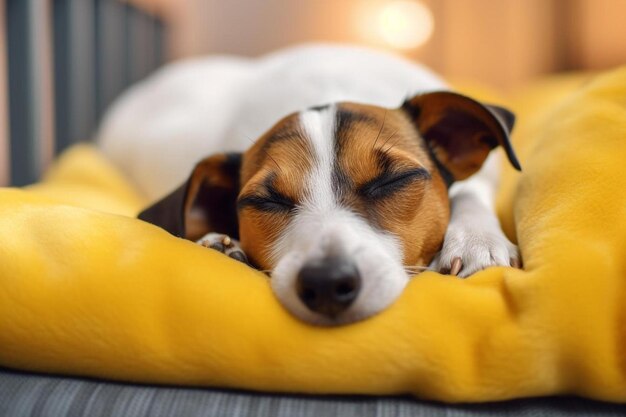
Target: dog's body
(306, 191)
(161, 128)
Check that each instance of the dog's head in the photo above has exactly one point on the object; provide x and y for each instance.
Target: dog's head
(340, 201)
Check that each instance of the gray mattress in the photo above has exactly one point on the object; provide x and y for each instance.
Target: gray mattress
(23, 394)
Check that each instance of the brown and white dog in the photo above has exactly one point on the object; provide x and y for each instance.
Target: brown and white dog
(347, 189)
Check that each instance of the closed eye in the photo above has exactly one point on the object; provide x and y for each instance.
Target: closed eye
(390, 182)
(274, 202)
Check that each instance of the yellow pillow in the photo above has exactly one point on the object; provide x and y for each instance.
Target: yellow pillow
(87, 292)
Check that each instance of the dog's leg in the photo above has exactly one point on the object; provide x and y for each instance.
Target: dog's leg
(474, 239)
(225, 244)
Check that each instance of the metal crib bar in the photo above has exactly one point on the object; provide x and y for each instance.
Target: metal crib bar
(74, 73)
(4, 117)
(110, 52)
(30, 89)
(99, 46)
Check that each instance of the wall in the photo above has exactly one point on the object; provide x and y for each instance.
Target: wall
(502, 42)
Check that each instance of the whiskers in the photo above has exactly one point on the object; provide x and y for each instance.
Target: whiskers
(382, 126)
(265, 151)
(410, 270)
(416, 269)
(394, 143)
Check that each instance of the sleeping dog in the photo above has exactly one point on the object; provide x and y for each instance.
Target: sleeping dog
(339, 171)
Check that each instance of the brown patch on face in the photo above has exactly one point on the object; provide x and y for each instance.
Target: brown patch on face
(273, 169)
(385, 151)
(383, 172)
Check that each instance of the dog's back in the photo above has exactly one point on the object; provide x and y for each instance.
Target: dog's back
(160, 128)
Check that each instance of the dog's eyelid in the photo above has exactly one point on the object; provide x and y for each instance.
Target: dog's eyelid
(401, 173)
(270, 202)
(390, 182)
(274, 194)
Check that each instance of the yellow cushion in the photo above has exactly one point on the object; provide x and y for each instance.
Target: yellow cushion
(87, 292)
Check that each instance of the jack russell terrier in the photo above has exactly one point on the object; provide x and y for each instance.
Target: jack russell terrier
(339, 171)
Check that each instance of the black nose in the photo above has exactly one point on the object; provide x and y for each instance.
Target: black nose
(328, 286)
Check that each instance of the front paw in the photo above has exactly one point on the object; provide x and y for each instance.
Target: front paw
(224, 244)
(467, 250)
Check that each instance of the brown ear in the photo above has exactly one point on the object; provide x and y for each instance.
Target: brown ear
(461, 131)
(205, 203)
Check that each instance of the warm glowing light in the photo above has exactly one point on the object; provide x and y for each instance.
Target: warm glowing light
(405, 24)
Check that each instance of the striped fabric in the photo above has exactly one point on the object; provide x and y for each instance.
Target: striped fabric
(28, 395)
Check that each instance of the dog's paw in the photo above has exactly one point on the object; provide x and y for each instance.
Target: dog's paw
(224, 244)
(468, 249)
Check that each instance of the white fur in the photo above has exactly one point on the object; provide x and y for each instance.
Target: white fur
(474, 233)
(160, 128)
(321, 228)
(319, 127)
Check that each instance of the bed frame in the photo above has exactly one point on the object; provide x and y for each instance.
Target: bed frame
(62, 62)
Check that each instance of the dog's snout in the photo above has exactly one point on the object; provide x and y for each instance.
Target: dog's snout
(328, 286)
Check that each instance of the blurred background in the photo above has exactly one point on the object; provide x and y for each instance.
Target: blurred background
(62, 62)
